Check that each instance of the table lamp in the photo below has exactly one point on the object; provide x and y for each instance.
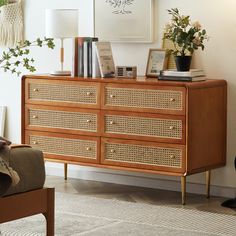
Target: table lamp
(61, 23)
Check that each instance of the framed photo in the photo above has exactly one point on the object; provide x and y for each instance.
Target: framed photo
(123, 20)
(157, 61)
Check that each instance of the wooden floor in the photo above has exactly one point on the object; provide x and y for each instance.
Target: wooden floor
(137, 194)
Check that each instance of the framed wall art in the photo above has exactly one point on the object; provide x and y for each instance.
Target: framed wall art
(157, 61)
(124, 20)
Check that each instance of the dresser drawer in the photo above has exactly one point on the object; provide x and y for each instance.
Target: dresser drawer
(153, 99)
(151, 127)
(64, 93)
(67, 120)
(145, 155)
(65, 147)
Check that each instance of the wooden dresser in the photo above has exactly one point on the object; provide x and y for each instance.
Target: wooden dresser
(145, 125)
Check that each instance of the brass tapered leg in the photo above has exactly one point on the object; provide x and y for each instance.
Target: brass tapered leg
(208, 182)
(183, 189)
(65, 171)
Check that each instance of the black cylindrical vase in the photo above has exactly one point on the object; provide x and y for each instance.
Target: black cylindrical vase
(183, 62)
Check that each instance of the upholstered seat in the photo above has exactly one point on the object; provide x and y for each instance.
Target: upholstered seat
(24, 165)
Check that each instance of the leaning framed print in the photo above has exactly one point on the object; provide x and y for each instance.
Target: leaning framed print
(157, 61)
(124, 20)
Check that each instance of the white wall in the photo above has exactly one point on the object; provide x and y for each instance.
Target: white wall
(218, 60)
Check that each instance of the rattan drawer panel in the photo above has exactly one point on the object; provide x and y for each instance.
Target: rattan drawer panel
(143, 126)
(64, 146)
(143, 155)
(64, 120)
(144, 98)
(82, 94)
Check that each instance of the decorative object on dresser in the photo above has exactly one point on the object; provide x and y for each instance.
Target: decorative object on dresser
(186, 37)
(157, 61)
(124, 20)
(192, 75)
(61, 23)
(142, 125)
(126, 71)
(105, 59)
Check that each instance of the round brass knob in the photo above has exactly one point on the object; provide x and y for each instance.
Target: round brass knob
(88, 148)
(112, 96)
(36, 90)
(35, 142)
(172, 156)
(113, 151)
(171, 127)
(112, 122)
(35, 117)
(88, 121)
(89, 93)
(172, 99)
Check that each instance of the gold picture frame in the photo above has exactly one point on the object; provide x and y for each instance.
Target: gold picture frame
(157, 61)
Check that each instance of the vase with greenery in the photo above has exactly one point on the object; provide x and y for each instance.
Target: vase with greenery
(14, 58)
(186, 36)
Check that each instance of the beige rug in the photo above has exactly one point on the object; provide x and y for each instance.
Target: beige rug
(81, 215)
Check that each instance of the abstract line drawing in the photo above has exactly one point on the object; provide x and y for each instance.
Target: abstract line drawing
(121, 7)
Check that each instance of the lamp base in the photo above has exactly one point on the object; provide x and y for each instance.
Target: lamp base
(60, 72)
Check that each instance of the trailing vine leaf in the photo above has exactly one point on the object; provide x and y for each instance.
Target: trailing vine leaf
(13, 58)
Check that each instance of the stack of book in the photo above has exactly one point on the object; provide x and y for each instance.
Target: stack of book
(191, 75)
(92, 58)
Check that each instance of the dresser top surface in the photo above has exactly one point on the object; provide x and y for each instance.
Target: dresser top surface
(138, 80)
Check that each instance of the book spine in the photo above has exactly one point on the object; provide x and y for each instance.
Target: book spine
(80, 57)
(95, 65)
(85, 48)
(90, 55)
(74, 71)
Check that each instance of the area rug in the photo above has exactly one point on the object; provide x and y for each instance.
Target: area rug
(90, 216)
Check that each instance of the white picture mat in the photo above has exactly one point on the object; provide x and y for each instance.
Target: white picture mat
(2, 119)
(136, 26)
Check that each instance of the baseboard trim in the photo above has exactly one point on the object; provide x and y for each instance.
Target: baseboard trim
(148, 181)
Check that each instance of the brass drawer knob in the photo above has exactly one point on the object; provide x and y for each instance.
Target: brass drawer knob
(35, 117)
(113, 151)
(88, 148)
(36, 90)
(89, 93)
(112, 96)
(35, 142)
(88, 121)
(172, 156)
(172, 99)
(112, 122)
(171, 127)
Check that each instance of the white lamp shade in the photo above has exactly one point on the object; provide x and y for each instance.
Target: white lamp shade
(61, 23)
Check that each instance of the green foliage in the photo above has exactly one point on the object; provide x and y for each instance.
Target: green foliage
(186, 36)
(3, 2)
(13, 58)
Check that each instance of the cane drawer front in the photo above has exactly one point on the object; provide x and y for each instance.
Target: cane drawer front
(70, 147)
(80, 94)
(154, 99)
(151, 127)
(49, 118)
(145, 155)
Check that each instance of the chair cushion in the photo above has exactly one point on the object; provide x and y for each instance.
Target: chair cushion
(29, 165)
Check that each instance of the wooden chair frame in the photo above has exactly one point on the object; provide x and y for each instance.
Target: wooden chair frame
(29, 203)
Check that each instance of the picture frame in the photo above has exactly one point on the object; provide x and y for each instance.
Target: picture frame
(124, 20)
(157, 61)
(2, 119)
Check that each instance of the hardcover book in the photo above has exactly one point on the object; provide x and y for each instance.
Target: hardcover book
(105, 59)
(190, 73)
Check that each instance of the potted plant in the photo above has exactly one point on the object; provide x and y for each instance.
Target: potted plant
(186, 36)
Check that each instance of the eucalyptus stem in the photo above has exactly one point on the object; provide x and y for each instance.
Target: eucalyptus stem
(14, 57)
